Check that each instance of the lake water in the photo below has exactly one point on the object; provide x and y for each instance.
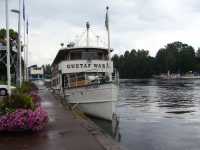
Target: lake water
(159, 114)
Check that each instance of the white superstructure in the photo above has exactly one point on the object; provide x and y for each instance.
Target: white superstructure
(84, 75)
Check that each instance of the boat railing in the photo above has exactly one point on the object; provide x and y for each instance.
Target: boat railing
(115, 74)
(77, 81)
(84, 79)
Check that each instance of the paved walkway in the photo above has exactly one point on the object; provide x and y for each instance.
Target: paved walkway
(64, 132)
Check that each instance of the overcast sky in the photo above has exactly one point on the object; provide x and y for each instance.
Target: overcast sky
(138, 24)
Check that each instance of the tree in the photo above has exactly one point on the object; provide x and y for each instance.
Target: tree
(12, 33)
(13, 39)
(175, 57)
(161, 61)
(198, 53)
(47, 71)
(134, 64)
(187, 59)
(115, 59)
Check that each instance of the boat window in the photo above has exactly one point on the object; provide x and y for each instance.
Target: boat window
(75, 56)
(100, 56)
(89, 55)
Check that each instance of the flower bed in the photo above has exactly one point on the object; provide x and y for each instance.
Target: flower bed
(22, 112)
(24, 119)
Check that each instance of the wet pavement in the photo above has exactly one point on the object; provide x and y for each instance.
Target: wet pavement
(64, 131)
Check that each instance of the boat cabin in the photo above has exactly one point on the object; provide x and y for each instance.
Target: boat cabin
(75, 67)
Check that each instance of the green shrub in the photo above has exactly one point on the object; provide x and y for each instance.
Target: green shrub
(4, 108)
(21, 101)
(16, 101)
(25, 88)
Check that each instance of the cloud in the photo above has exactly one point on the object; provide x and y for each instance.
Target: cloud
(148, 24)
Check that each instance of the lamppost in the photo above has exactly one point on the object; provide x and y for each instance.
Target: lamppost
(19, 69)
(8, 48)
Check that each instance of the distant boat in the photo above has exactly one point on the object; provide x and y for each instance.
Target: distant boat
(168, 76)
(190, 75)
(173, 76)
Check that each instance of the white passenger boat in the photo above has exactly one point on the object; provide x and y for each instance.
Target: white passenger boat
(86, 77)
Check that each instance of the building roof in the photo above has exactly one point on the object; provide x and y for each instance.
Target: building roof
(63, 52)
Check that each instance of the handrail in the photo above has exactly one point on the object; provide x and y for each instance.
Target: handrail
(75, 80)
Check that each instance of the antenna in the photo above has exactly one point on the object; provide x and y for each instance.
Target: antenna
(97, 39)
(88, 28)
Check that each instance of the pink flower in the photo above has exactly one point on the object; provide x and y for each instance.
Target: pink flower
(23, 119)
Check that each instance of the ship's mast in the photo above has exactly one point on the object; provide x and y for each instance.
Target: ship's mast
(88, 28)
(108, 31)
(109, 49)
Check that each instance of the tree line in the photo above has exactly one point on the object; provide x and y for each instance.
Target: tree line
(176, 57)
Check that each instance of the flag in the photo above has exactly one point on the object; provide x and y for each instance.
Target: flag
(24, 14)
(107, 19)
(27, 24)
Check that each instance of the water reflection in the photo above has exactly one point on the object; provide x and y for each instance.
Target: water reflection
(158, 114)
(111, 128)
